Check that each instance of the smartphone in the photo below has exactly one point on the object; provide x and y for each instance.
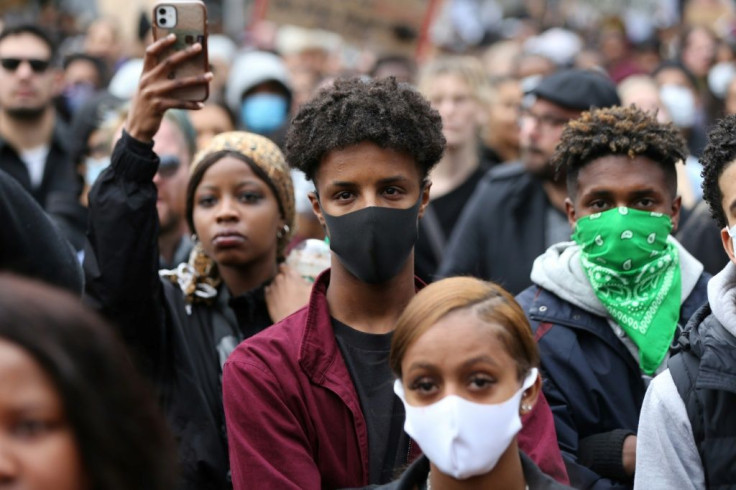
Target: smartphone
(187, 19)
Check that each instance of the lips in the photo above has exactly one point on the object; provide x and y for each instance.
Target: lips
(227, 239)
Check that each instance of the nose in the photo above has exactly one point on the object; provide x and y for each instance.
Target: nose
(157, 179)
(9, 467)
(226, 210)
(24, 69)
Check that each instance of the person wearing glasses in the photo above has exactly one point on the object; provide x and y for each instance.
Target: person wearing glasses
(33, 139)
(518, 209)
(182, 324)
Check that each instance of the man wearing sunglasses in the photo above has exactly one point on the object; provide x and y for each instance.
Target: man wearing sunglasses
(32, 138)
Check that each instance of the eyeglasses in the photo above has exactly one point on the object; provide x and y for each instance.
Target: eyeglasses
(168, 165)
(545, 121)
(37, 65)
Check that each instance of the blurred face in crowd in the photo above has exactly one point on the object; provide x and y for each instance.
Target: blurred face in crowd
(541, 128)
(102, 40)
(171, 178)
(730, 102)
(208, 122)
(619, 181)
(82, 72)
(727, 184)
(699, 51)
(503, 119)
(462, 113)
(38, 449)
(236, 215)
(26, 91)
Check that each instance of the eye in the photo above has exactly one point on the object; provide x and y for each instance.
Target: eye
(479, 382)
(206, 201)
(250, 197)
(646, 202)
(598, 204)
(393, 192)
(343, 195)
(30, 428)
(424, 386)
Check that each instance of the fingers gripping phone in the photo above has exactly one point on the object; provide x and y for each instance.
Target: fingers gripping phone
(187, 19)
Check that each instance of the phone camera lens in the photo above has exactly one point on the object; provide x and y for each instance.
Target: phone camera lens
(162, 21)
(162, 11)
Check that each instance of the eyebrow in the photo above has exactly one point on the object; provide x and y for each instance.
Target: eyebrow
(237, 184)
(607, 192)
(388, 180)
(482, 358)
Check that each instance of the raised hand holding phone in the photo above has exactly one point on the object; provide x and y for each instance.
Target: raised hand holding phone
(157, 92)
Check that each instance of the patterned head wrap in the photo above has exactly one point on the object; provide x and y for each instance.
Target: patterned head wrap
(198, 278)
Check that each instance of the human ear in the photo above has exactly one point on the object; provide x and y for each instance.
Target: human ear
(727, 242)
(316, 208)
(425, 197)
(530, 396)
(676, 206)
(570, 212)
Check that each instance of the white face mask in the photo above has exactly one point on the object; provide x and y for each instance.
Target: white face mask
(463, 438)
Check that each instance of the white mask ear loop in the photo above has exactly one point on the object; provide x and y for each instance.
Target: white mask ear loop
(732, 234)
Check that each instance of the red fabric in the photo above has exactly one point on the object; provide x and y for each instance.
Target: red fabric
(538, 439)
(293, 415)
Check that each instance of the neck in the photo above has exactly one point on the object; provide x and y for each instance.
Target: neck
(507, 474)
(370, 308)
(454, 168)
(24, 135)
(556, 192)
(169, 240)
(239, 280)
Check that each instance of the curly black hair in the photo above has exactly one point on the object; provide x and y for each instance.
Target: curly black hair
(389, 114)
(618, 131)
(719, 153)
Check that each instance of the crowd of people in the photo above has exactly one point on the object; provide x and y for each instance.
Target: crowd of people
(507, 265)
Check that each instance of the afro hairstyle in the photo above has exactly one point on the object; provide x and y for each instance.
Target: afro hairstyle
(626, 131)
(389, 114)
(719, 153)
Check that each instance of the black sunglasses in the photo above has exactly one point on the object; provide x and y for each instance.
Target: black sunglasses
(37, 65)
(168, 165)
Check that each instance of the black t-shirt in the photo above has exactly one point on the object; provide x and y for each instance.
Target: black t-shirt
(447, 210)
(366, 357)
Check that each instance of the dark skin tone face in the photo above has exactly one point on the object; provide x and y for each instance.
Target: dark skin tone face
(619, 181)
(350, 179)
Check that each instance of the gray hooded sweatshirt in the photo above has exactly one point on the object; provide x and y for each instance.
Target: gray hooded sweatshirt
(666, 454)
(559, 270)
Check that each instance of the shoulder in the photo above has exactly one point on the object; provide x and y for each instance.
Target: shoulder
(535, 478)
(277, 345)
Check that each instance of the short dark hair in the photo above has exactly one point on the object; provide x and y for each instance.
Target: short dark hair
(626, 131)
(97, 62)
(34, 30)
(389, 114)
(120, 432)
(719, 153)
(676, 65)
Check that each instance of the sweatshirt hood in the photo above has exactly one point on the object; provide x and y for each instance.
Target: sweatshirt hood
(722, 297)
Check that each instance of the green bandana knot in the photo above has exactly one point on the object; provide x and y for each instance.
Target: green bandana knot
(635, 273)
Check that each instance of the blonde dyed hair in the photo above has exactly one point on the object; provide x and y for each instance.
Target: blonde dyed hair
(490, 303)
(466, 68)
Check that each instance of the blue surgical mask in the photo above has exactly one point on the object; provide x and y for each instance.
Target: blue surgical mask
(76, 95)
(93, 168)
(263, 112)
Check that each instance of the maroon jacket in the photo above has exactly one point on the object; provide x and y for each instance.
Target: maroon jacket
(293, 415)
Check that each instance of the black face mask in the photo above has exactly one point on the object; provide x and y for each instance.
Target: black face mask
(375, 242)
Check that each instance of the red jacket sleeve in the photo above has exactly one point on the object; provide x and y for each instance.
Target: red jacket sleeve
(538, 439)
(267, 441)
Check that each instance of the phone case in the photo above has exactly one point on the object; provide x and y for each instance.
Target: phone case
(191, 27)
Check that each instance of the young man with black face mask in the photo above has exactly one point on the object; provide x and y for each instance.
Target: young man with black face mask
(606, 307)
(309, 403)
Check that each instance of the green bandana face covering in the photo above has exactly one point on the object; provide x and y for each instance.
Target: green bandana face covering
(635, 273)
